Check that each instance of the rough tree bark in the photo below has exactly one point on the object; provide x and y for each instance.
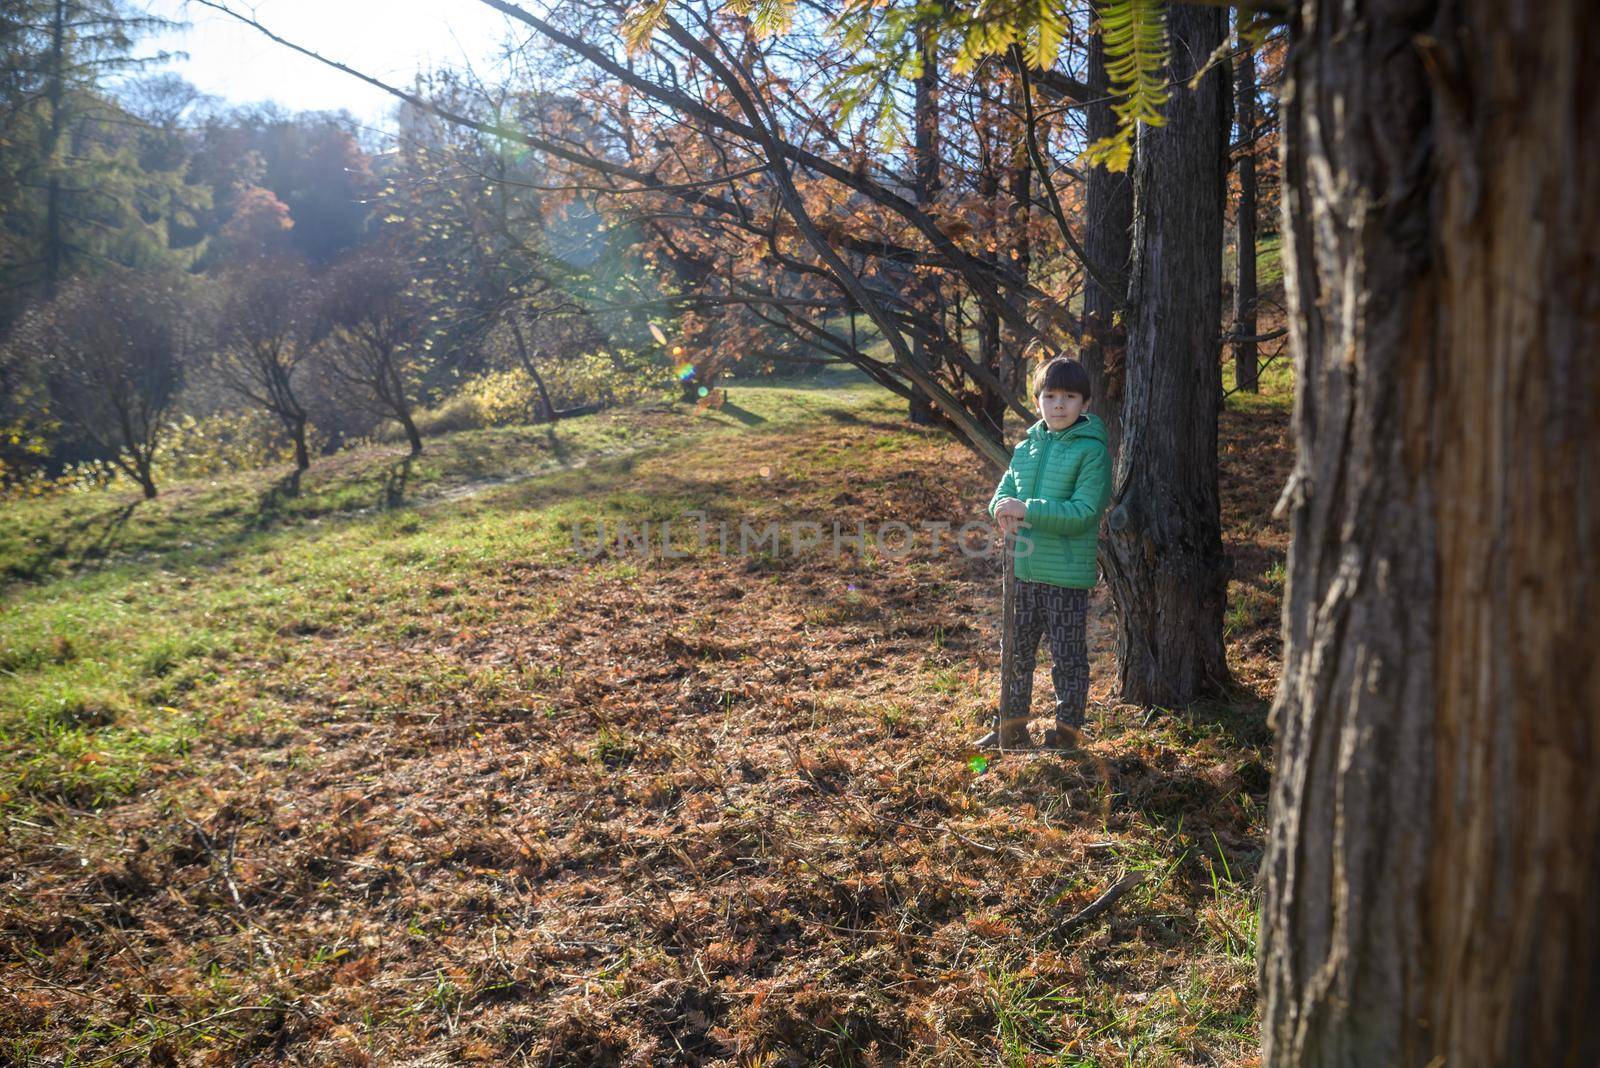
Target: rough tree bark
(1108, 243)
(1431, 877)
(1162, 552)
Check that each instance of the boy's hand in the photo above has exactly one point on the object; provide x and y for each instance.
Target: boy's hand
(1010, 513)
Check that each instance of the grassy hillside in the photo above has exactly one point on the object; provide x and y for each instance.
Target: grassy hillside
(388, 773)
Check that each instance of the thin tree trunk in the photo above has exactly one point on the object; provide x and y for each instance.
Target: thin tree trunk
(1019, 187)
(1163, 552)
(1431, 873)
(297, 430)
(140, 475)
(1244, 285)
(54, 242)
(990, 136)
(1108, 243)
(925, 148)
(402, 408)
(411, 430)
(533, 372)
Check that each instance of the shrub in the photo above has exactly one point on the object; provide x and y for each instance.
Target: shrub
(504, 398)
(223, 442)
(19, 483)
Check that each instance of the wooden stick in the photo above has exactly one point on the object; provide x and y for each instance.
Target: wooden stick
(1101, 904)
(1008, 635)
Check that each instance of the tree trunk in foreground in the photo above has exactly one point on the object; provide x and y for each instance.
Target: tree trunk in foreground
(1163, 554)
(1432, 876)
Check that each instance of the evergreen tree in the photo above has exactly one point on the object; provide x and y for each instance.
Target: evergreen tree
(80, 186)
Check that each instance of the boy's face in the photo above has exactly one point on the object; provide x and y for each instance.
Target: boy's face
(1059, 407)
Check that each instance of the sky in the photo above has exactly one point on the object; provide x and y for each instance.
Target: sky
(389, 39)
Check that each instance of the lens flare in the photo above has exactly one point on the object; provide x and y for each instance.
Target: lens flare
(684, 370)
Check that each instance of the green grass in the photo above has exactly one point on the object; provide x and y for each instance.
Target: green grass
(209, 520)
(112, 663)
(1275, 381)
(1269, 260)
(1276, 375)
(1026, 1011)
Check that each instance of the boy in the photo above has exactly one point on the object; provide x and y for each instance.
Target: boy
(1055, 490)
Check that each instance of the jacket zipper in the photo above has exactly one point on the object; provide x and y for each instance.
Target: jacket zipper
(1038, 470)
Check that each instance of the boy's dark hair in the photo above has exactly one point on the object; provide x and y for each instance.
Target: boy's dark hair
(1063, 373)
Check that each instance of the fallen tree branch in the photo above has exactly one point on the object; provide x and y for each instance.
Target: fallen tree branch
(1098, 906)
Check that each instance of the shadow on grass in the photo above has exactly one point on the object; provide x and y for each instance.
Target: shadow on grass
(79, 543)
(744, 415)
(269, 506)
(1239, 716)
(109, 525)
(222, 528)
(394, 482)
(558, 447)
(849, 418)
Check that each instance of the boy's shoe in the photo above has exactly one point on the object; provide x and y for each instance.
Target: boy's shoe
(1061, 736)
(1016, 737)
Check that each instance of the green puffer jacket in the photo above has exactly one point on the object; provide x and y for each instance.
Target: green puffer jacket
(1064, 479)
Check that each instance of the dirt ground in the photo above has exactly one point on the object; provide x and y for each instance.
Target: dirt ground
(636, 811)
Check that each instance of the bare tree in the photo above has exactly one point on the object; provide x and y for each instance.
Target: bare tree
(262, 331)
(776, 206)
(113, 348)
(814, 231)
(370, 333)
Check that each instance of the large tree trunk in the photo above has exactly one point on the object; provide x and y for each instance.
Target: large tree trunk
(1431, 875)
(1244, 283)
(1108, 244)
(1163, 552)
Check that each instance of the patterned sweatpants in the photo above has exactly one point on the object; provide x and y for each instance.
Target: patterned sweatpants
(1061, 611)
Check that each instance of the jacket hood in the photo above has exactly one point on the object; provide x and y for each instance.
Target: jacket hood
(1088, 425)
